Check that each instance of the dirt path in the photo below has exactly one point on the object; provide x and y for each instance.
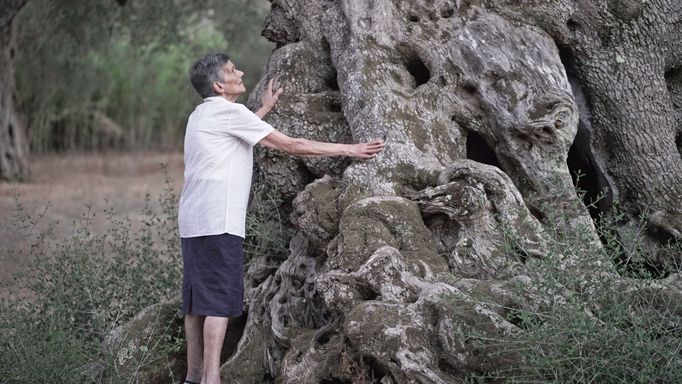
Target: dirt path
(68, 183)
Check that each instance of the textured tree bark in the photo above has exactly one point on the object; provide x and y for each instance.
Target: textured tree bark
(13, 143)
(627, 56)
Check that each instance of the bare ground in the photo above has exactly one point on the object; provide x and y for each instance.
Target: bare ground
(68, 184)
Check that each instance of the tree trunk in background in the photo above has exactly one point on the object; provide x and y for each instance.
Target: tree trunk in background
(13, 143)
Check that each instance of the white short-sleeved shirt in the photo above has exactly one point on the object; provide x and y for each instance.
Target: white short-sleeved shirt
(218, 156)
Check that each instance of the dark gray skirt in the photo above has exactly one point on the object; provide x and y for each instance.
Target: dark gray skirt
(213, 275)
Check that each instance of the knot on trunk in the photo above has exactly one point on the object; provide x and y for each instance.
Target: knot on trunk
(480, 222)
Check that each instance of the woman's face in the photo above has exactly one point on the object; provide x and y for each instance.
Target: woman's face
(232, 84)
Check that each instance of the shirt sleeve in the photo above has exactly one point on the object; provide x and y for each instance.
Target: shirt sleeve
(247, 126)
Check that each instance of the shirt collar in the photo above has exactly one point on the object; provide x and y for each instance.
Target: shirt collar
(212, 98)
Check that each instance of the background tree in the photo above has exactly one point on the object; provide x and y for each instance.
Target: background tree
(13, 146)
(99, 75)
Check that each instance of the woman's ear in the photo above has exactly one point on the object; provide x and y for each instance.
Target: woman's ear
(217, 87)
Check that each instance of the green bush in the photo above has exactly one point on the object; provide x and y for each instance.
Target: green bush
(594, 320)
(266, 233)
(76, 291)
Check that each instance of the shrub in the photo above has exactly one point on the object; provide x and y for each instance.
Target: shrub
(66, 305)
(266, 234)
(596, 320)
(77, 290)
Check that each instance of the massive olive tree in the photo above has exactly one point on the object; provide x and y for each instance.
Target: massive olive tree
(487, 108)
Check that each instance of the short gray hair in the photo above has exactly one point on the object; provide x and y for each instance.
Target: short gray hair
(205, 71)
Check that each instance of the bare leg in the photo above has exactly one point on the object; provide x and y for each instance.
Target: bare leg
(214, 334)
(194, 329)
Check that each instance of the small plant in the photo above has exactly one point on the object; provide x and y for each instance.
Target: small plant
(266, 234)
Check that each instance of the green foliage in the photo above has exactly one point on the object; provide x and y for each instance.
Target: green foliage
(625, 240)
(78, 290)
(266, 234)
(98, 75)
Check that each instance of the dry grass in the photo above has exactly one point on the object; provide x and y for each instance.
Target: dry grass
(68, 184)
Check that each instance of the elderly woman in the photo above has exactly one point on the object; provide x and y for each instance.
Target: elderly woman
(219, 142)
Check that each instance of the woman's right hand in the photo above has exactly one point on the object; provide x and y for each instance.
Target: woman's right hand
(367, 150)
